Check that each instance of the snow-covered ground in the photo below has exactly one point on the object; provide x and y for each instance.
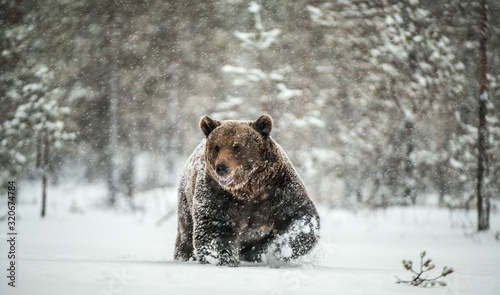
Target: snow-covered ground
(81, 249)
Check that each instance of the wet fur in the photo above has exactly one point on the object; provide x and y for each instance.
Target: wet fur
(251, 217)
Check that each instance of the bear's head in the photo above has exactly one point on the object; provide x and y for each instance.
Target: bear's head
(235, 150)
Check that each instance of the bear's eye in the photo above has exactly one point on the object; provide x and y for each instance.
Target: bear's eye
(237, 148)
(217, 148)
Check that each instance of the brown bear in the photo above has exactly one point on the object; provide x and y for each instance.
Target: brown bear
(240, 198)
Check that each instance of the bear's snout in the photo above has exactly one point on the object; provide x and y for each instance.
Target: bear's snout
(221, 169)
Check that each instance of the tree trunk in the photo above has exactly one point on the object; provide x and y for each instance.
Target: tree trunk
(45, 168)
(443, 167)
(483, 202)
(409, 182)
(113, 98)
(113, 140)
(128, 177)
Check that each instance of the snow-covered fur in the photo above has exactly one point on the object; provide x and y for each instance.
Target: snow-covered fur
(240, 198)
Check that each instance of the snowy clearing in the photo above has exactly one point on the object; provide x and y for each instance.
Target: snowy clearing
(79, 249)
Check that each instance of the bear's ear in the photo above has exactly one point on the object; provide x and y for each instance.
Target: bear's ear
(263, 125)
(207, 125)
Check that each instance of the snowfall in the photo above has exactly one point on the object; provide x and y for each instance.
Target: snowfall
(81, 248)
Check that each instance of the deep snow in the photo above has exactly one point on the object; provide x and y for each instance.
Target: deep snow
(80, 249)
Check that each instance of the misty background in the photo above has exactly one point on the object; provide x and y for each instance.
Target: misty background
(375, 102)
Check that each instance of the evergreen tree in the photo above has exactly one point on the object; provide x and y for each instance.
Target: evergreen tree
(266, 84)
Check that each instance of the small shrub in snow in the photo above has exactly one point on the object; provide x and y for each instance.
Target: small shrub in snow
(420, 277)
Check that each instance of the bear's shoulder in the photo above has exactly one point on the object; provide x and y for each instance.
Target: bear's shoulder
(193, 169)
(196, 160)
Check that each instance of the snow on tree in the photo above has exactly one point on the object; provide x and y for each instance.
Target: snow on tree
(360, 135)
(340, 78)
(36, 123)
(464, 144)
(265, 88)
(254, 73)
(421, 69)
(409, 65)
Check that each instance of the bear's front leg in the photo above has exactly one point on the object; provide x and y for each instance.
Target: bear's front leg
(215, 239)
(215, 242)
(184, 242)
(297, 239)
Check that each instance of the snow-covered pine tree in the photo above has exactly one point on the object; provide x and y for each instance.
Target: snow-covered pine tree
(35, 124)
(362, 125)
(398, 53)
(263, 86)
(14, 39)
(420, 70)
(464, 142)
(463, 157)
(457, 156)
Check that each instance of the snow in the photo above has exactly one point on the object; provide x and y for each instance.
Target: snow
(484, 96)
(253, 7)
(244, 37)
(286, 94)
(80, 249)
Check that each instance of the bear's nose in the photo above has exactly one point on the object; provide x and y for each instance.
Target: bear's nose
(221, 169)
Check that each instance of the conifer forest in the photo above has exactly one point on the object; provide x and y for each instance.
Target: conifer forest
(378, 103)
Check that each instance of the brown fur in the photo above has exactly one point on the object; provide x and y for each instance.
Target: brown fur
(256, 205)
(244, 151)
